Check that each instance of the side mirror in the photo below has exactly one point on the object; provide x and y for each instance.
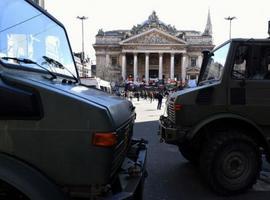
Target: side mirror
(205, 53)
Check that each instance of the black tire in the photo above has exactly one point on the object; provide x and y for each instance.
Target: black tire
(9, 192)
(230, 163)
(189, 153)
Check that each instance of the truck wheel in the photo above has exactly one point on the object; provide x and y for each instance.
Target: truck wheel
(230, 163)
(9, 192)
(189, 153)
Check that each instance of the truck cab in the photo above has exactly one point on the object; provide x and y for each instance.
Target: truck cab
(59, 139)
(223, 124)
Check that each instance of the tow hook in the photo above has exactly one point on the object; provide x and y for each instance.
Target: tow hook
(135, 170)
(140, 142)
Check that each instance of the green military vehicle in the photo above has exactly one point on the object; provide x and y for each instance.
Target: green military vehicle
(223, 124)
(59, 139)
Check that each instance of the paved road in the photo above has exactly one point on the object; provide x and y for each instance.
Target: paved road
(171, 177)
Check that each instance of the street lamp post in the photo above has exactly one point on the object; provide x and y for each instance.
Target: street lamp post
(82, 19)
(230, 19)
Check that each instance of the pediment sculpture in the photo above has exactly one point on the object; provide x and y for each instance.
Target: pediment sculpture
(153, 38)
(153, 22)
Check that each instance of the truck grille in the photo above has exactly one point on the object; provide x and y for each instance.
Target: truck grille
(171, 111)
(124, 138)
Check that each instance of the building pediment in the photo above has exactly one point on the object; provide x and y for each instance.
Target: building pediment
(153, 37)
(193, 70)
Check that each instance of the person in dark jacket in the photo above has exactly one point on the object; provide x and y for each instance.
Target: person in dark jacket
(159, 98)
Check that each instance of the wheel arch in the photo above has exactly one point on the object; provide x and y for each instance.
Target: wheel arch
(230, 121)
(28, 180)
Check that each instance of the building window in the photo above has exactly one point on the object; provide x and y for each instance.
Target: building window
(153, 59)
(177, 60)
(192, 77)
(114, 60)
(129, 60)
(193, 61)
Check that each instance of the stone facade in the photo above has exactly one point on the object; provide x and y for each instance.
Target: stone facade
(151, 51)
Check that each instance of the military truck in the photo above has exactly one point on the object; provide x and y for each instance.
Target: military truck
(223, 124)
(59, 139)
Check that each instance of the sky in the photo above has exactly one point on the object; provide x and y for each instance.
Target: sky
(251, 17)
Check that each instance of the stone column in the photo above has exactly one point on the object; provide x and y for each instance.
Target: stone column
(183, 67)
(124, 64)
(199, 63)
(160, 67)
(107, 60)
(146, 76)
(135, 67)
(172, 66)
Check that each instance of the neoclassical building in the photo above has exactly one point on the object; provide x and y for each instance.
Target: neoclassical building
(151, 51)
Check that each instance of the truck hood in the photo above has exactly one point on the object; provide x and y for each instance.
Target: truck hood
(192, 90)
(182, 92)
(120, 109)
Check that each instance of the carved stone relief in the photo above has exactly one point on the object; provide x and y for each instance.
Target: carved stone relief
(153, 38)
(153, 22)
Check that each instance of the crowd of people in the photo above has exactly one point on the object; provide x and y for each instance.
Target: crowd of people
(151, 94)
(147, 95)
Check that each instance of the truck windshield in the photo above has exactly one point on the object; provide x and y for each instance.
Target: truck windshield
(215, 65)
(26, 33)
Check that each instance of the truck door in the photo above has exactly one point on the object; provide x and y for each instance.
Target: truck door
(249, 82)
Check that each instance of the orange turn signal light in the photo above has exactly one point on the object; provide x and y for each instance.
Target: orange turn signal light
(104, 139)
(177, 107)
